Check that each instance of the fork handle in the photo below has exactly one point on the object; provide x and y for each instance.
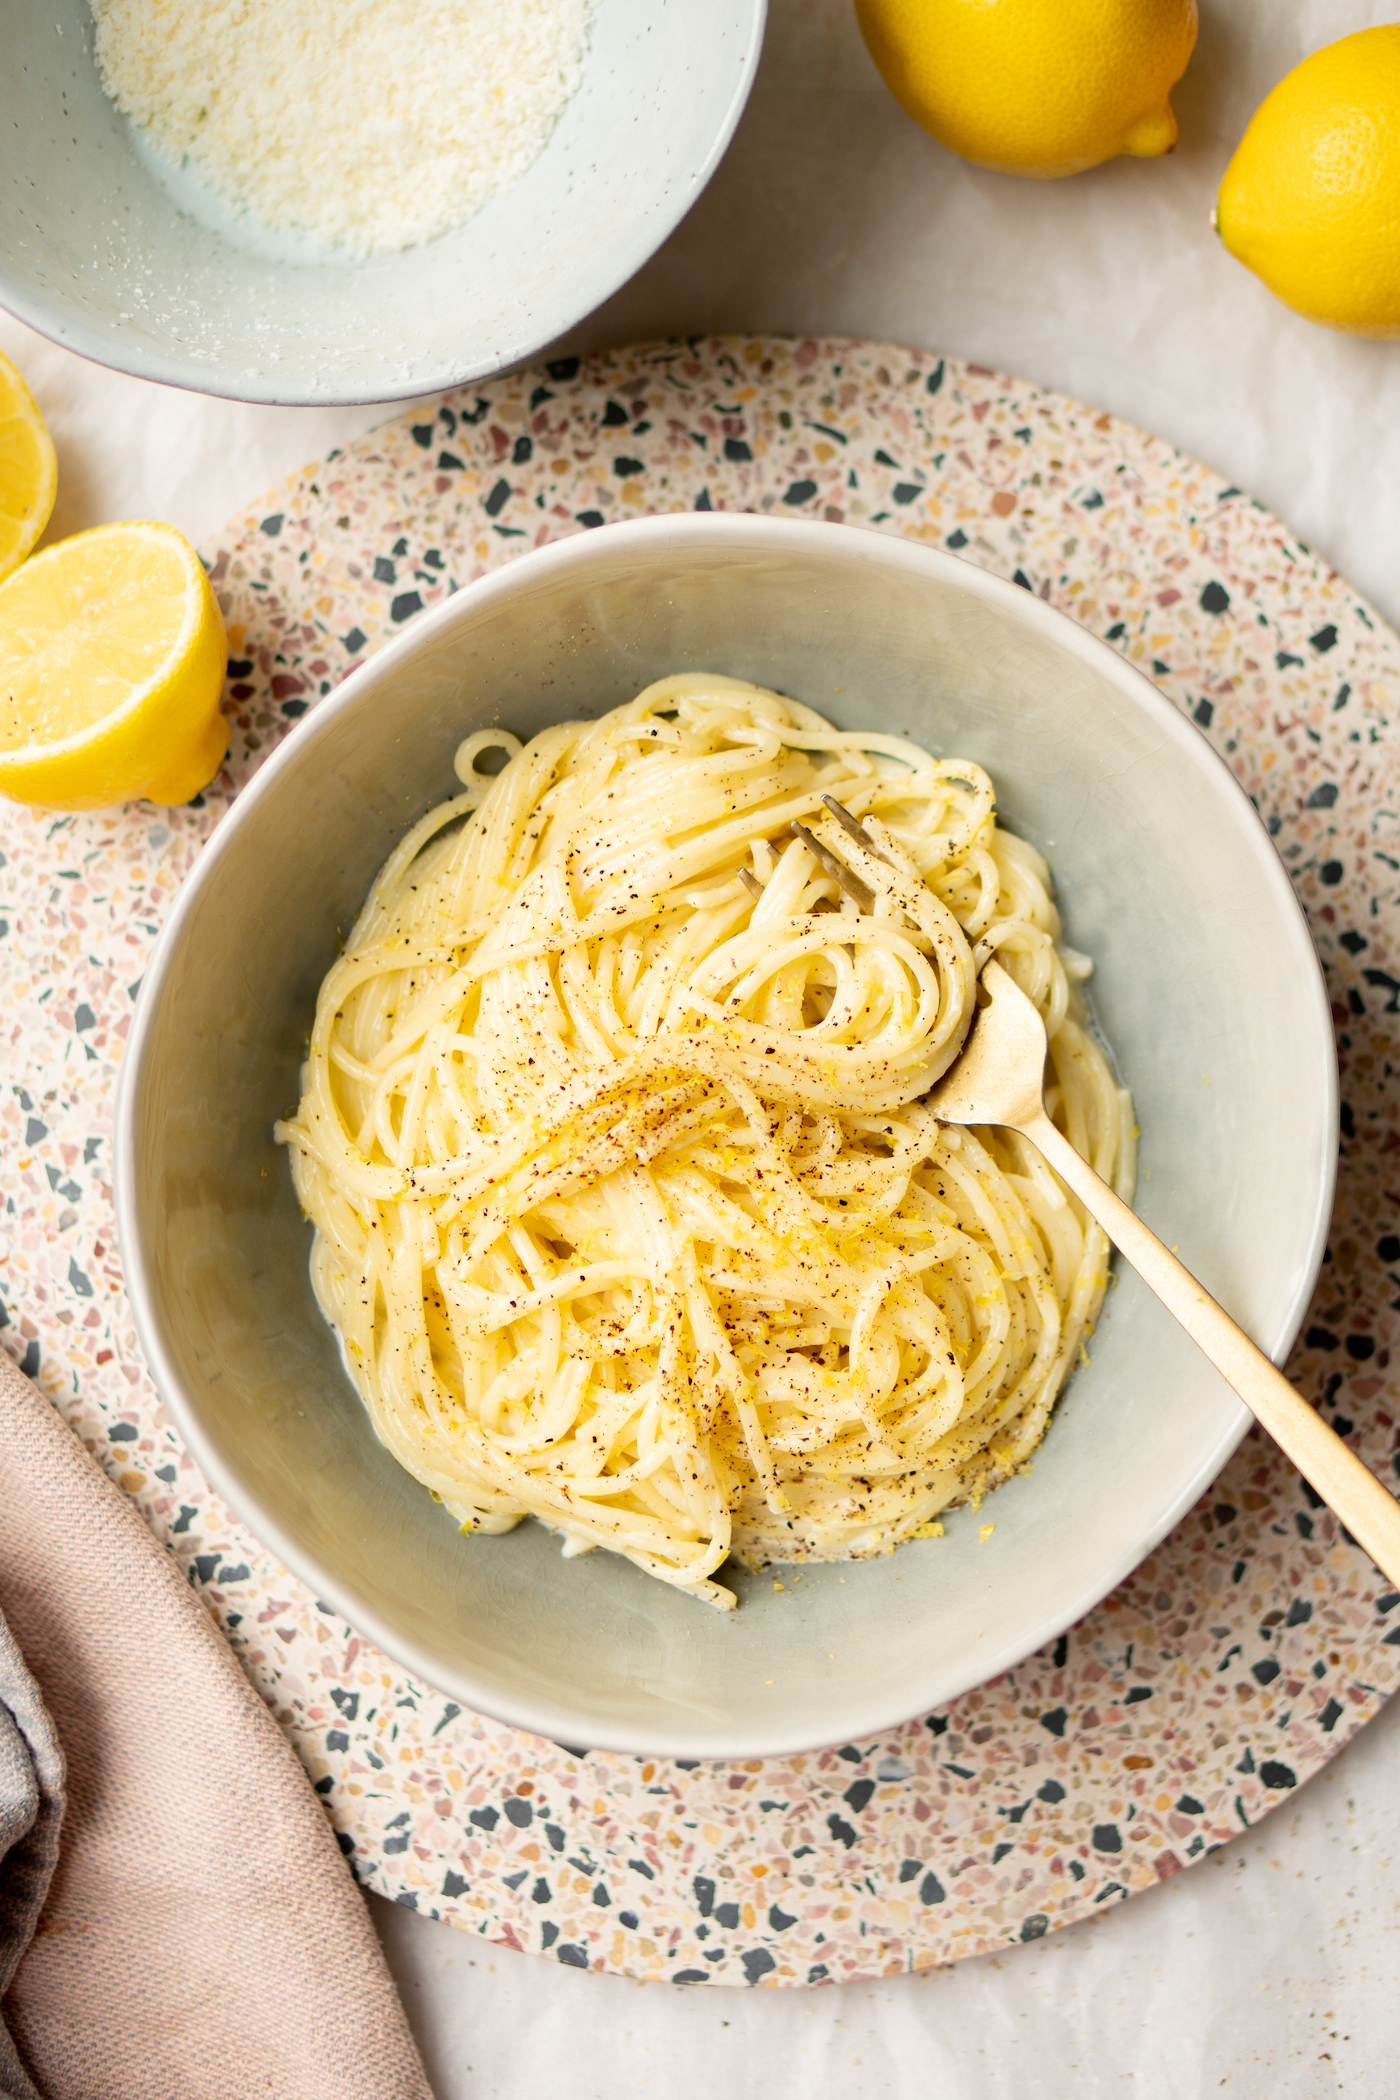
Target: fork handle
(1367, 1508)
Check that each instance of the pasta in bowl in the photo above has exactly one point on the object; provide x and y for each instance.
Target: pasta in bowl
(629, 1211)
(927, 668)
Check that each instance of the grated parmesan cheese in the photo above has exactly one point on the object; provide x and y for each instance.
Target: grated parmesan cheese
(365, 125)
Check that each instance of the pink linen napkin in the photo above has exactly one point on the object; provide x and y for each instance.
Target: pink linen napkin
(201, 1934)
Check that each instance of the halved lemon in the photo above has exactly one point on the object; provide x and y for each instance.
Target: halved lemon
(28, 470)
(112, 658)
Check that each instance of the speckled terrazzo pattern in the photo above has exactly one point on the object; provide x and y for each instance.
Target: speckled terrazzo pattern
(1249, 1646)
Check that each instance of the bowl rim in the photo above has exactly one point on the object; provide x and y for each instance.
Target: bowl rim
(48, 317)
(543, 1716)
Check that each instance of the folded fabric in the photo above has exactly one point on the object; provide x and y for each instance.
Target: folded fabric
(31, 1816)
(201, 1933)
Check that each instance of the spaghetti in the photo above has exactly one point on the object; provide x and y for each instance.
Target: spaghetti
(628, 1209)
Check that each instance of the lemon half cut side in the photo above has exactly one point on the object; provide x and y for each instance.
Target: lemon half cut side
(112, 659)
(28, 470)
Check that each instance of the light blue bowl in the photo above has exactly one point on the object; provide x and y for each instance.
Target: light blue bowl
(1204, 970)
(106, 252)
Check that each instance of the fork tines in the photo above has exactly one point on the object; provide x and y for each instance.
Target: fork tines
(855, 829)
(837, 870)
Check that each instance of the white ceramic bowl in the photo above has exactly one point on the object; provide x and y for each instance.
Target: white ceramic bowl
(152, 276)
(1207, 988)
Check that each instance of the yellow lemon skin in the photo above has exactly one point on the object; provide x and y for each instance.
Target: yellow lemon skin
(28, 470)
(1035, 87)
(112, 660)
(1311, 200)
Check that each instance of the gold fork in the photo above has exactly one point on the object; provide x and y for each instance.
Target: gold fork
(999, 1078)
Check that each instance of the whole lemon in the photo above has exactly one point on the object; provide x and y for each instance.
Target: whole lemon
(1035, 87)
(1311, 200)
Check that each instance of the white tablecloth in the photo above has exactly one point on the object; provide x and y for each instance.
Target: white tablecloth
(1267, 1968)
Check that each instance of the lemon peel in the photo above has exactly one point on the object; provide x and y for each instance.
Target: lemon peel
(1311, 199)
(1035, 87)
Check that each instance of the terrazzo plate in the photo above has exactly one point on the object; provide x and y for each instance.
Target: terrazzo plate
(1250, 1644)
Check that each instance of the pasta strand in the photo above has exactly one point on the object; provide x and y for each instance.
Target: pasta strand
(627, 1206)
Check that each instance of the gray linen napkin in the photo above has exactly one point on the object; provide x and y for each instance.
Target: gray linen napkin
(31, 1814)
